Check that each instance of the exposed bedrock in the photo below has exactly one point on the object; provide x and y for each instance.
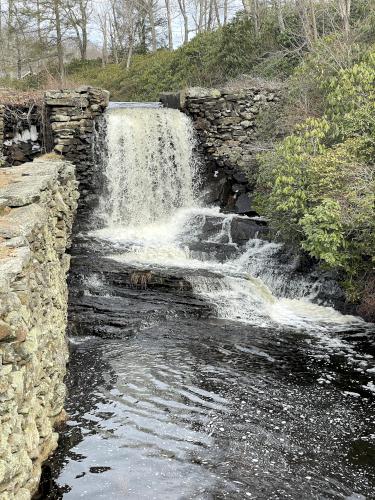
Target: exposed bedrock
(37, 205)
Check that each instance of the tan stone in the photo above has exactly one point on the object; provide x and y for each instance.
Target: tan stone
(6, 331)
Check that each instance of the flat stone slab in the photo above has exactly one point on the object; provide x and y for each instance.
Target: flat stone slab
(21, 221)
(12, 264)
(20, 190)
(22, 185)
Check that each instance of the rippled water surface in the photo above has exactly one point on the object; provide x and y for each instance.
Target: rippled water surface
(209, 409)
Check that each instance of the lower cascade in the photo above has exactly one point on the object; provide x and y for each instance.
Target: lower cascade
(203, 364)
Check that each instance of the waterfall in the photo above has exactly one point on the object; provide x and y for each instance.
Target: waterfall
(153, 220)
(149, 167)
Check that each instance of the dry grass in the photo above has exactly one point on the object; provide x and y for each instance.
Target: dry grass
(50, 157)
(12, 97)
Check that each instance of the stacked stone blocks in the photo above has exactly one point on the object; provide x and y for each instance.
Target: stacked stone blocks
(227, 123)
(73, 115)
(37, 205)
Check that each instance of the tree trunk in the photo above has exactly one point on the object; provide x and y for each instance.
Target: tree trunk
(130, 51)
(113, 44)
(280, 17)
(201, 16)
(105, 41)
(344, 9)
(314, 28)
(247, 7)
(186, 29)
(39, 22)
(210, 16)
(217, 13)
(169, 21)
(10, 23)
(305, 22)
(151, 18)
(59, 42)
(182, 5)
(256, 17)
(225, 20)
(83, 11)
(19, 58)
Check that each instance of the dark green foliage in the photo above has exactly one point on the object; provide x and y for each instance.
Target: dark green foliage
(317, 186)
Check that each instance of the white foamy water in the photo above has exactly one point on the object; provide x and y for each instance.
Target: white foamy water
(153, 220)
(150, 165)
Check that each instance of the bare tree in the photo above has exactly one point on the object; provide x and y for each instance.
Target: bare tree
(169, 24)
(344, 10)
(56, 7)
(183, 9)
(103, 22)
(280, 16)
(77, 13)
(306, 10)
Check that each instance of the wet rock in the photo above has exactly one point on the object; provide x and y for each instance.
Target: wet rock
(240, 177)
(238, 188)
(171, 100)
(242, 230)
(244, 204)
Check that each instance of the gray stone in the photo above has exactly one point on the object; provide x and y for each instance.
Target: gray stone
(243, 204)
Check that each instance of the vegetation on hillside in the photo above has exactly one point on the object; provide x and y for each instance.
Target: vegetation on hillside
(269, 43)
(317, 186)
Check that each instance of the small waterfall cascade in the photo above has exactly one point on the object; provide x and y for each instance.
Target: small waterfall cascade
(150, 165)
(153, 220)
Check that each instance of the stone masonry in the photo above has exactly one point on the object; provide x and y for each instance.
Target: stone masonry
(73, 115)
(2, 109)
(37, 205)
(229, 137)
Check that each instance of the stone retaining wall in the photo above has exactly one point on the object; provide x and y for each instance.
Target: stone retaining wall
(230, 135)
(73, 115)
(228, 125)
(37, 206)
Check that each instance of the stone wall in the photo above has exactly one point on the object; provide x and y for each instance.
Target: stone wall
(73, 115)
(229, 123)
(37, 205)
(2, 109)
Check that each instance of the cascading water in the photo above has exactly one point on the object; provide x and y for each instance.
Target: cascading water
(150, 209)
(200, 366)
(149, 166)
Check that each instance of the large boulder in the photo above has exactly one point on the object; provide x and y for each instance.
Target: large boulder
(244, 229)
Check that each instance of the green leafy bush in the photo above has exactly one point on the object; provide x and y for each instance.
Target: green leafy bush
(317, 186)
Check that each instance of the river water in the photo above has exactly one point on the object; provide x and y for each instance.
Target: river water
(203, 365)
